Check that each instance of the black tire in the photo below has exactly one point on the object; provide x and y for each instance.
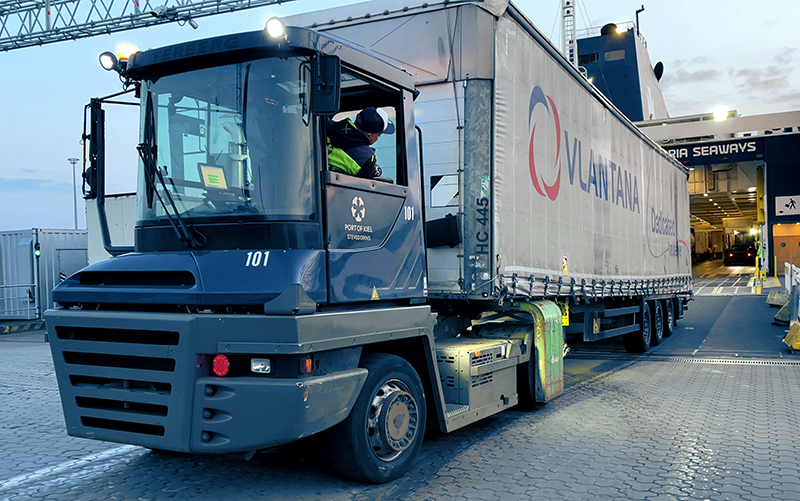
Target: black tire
(639, 341)
(669, 317)
(657, 330)
(381, 437)
(526, 385)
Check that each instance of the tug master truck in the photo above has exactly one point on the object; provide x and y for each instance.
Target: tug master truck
(268, 298)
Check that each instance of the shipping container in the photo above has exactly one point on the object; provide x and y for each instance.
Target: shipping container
(120, 212)
(32, 263)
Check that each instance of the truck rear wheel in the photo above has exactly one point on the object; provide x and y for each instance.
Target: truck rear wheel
(381, 437)
(639, 341)
(658, 324)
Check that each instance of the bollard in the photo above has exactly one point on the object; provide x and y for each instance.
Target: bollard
(792, 338)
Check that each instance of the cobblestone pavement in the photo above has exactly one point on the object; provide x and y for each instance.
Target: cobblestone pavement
(651, 427)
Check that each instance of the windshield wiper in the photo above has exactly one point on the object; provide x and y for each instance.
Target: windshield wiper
(147, 152)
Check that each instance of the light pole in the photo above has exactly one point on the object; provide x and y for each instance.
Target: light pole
(74, 161)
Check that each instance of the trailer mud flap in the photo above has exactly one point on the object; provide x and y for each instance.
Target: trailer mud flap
(541, 373)
(548, 344)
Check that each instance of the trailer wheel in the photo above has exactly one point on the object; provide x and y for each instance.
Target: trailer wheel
(658, 324)
(669, 317)
(639, 341)
(381, 437)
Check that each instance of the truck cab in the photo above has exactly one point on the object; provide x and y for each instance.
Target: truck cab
(230, 325)
(233, 175)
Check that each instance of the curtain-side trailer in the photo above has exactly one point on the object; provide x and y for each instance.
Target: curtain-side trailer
(535, 185)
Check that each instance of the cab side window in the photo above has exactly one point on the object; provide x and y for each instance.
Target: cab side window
(361, 94)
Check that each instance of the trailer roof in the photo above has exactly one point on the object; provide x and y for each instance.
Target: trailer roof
(377, 10)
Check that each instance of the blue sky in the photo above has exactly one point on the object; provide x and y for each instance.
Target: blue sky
(736, 53)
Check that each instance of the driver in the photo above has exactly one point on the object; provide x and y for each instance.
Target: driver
(349, 144)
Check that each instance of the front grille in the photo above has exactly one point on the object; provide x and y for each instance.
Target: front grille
(118, 405)
(120, 361)
(122, 384)
(126, 384)
(112, 424)
(166, 338)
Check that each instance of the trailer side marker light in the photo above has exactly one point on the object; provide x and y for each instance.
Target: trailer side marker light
(260, 365)
(306, 365)
(221, 365)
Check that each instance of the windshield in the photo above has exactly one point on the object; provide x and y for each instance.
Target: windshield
(231, 143)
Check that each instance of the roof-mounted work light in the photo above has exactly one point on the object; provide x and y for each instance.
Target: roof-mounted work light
(109, 61)
(276, 29)
(119, 61)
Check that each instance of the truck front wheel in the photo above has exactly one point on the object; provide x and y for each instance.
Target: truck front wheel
(381, 437)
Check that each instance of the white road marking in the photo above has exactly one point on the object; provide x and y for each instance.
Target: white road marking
(29, 477)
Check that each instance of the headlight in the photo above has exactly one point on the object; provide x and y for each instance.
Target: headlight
(261, 365)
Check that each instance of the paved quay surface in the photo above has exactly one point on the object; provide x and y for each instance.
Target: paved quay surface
(718, 424)
(712, 278)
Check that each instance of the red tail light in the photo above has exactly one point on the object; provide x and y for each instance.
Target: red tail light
(221, 365)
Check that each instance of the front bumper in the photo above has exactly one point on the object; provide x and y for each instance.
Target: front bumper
(144, 384)
(138, 377)
(243, 414)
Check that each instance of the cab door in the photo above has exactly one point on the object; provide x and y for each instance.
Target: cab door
(374, 231)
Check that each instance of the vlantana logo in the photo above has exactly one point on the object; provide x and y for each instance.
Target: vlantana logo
(595, 175)
(610, 182)
(539, 98)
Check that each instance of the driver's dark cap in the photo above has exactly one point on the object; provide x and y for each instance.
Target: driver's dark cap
(374, 120)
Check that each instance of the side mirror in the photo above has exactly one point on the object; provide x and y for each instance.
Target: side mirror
(326, 85)
(97, 152)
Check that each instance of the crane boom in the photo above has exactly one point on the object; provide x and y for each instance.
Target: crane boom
(25, 23)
